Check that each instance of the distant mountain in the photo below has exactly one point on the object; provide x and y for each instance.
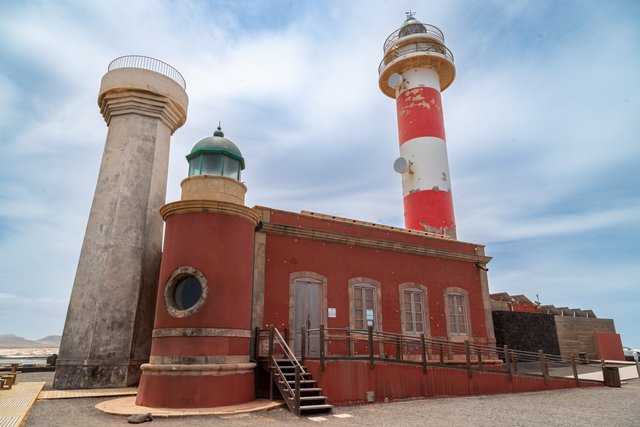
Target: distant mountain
(14, 341)
(50, 341)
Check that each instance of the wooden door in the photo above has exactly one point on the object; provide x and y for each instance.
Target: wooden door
(308, 309)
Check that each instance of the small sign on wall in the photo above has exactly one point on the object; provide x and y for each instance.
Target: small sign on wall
(369, 317)
(332, 312)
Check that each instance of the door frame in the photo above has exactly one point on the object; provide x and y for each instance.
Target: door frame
(313, 277)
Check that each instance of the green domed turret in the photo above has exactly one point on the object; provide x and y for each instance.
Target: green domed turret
(216, 155)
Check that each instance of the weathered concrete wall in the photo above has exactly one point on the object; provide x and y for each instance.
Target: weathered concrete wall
(107, 333)
(211, 187)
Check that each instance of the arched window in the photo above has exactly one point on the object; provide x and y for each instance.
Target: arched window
(364, 304)
(414, 309)
(457, 310)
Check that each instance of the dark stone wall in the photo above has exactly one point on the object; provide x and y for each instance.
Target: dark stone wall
(526, 331)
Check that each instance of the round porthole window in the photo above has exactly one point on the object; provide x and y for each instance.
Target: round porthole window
(185, 292)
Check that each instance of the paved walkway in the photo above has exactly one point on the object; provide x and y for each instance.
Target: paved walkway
(578, 407)
(127, 406)
(92, 392)
(626, 373)
(16, 403)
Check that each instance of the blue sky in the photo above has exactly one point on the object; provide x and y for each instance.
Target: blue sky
(542, 130)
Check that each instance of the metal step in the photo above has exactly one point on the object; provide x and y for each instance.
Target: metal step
(316, 407)
(302, 382)
(310, 398)
(308, 389)
(290, 368)
(289, 374)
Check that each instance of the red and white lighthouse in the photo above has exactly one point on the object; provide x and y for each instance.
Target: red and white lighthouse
(416, 67)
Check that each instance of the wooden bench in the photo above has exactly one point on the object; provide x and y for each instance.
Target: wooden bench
(7, 381)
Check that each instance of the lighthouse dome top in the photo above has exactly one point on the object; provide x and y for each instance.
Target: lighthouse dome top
(216, 155)
(411, 26)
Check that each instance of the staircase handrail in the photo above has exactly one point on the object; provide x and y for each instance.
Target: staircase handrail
(284, 379)
(288, 353)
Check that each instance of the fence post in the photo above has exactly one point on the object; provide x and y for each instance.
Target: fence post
(303, 343)
(296, 398)
(543, 366)
(514, 360)
(479, 358)
(370, 332)
(508, 362)
(441, 354)
(467, 353)
(423, 350)
(574, 368)
(271, 362)
(349, 343)
(321, 333)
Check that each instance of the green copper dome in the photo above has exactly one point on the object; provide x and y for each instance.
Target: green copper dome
(217, 144)
(217, 156)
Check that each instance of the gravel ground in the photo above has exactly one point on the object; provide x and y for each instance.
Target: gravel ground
(604, 406)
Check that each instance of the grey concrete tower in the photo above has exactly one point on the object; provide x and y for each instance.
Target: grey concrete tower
(107, 334)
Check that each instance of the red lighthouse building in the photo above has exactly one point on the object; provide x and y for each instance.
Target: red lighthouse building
(201, 334)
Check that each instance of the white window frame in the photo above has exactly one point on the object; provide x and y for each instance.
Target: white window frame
(422, 290)
(452, 329)
(365, 283)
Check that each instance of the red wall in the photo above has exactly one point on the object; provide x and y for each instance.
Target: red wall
(349, 381)
(221, 247)
(405, 236)
(609, 346)
(525, 308)
(340, 262)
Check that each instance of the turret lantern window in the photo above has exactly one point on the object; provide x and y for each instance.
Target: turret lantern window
(216, 155)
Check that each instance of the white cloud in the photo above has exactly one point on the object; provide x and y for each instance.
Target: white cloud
(541, 124)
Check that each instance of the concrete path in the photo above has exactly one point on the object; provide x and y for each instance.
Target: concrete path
(92, 392)
(16, 403)
(127, 406)
(626, 373)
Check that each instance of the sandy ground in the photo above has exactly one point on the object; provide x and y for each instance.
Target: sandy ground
(575, 407)
(28, 351)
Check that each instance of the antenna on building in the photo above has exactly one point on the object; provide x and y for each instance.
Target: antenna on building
(395, 80)
(402, 165)
(537, 299)
(410, 14)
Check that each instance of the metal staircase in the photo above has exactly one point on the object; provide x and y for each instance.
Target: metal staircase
(298, 389)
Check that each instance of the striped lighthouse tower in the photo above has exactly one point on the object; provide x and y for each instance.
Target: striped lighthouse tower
(416, 67)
